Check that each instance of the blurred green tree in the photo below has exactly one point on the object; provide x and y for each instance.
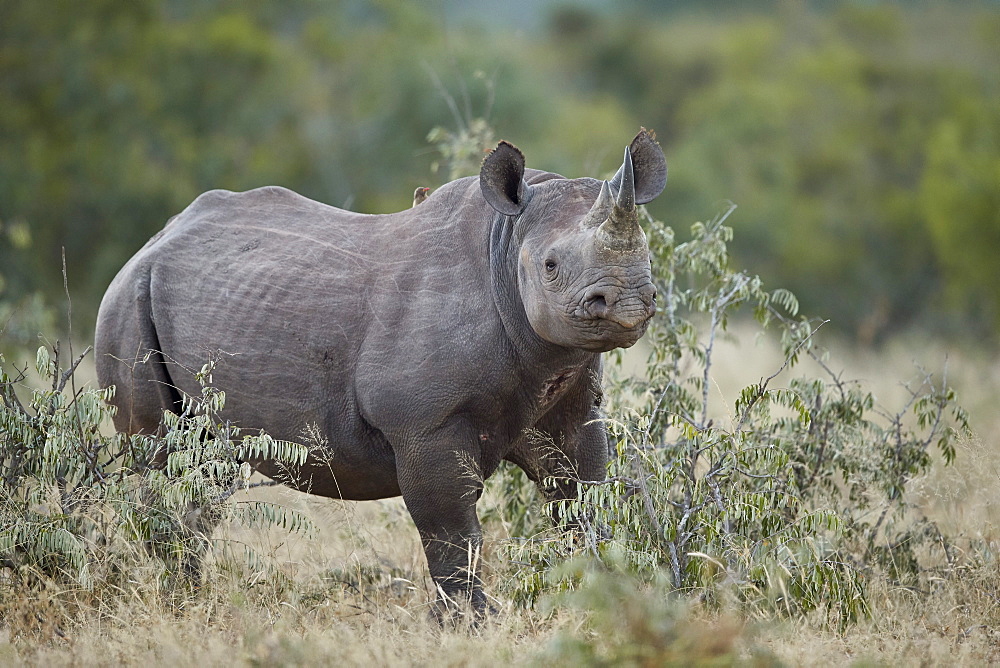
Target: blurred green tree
(960, 195)
(858, 140)
(821, 126)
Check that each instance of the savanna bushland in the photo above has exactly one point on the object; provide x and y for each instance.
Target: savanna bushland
(805, 464)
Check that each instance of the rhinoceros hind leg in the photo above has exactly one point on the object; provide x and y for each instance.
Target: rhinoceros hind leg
(128, 356)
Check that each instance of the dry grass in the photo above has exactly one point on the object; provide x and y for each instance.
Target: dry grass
(357, 593)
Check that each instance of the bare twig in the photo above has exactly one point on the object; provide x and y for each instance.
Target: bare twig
(448, 98)
(9, 397)
(67, 375)
(236, 488)
(713, 484)
(762, 385)
(721, 302)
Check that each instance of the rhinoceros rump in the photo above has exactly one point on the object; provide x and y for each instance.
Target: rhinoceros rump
(426, 345)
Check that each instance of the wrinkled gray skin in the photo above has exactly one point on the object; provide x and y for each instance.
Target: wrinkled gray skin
(426, 345)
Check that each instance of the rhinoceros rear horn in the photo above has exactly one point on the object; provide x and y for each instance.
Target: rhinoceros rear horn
(501, 179)
(648, 166)
(626, 186)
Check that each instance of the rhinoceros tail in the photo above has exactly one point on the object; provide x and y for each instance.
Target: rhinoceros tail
(129, 356)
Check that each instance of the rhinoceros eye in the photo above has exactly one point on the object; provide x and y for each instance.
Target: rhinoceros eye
(550, 265)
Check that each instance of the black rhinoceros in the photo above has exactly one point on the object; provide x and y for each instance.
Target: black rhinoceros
(427, 346)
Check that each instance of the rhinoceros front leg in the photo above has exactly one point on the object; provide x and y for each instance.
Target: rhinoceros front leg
(568, 454)
(568, 445)
(440, 480)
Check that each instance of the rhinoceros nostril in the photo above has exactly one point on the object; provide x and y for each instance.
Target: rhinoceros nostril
(597, 305)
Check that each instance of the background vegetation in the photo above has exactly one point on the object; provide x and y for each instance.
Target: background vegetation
(860, 140)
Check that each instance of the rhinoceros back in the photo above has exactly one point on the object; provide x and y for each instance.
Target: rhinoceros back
(287, 292)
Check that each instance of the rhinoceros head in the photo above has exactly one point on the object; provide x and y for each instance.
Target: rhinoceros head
(583, 269)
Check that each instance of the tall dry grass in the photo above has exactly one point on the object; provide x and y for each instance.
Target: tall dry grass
(955, 621)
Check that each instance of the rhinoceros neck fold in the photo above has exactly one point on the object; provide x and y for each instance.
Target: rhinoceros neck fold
(505, 245)
(503, 283)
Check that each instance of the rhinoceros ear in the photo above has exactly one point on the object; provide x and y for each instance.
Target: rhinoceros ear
(501, 178)
(648, 165)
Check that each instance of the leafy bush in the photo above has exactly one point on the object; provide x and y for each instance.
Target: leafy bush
(787, 500)
(76, 503)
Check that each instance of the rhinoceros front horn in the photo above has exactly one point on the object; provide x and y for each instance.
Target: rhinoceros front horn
(621, 229)
(626, 187)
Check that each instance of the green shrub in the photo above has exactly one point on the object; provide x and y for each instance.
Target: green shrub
(77, 504)
(630, 626)
(787, 504)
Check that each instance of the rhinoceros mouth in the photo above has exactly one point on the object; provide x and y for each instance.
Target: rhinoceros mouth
(605, 334)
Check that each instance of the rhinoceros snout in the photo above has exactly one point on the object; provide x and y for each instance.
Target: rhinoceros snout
(630, 312)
